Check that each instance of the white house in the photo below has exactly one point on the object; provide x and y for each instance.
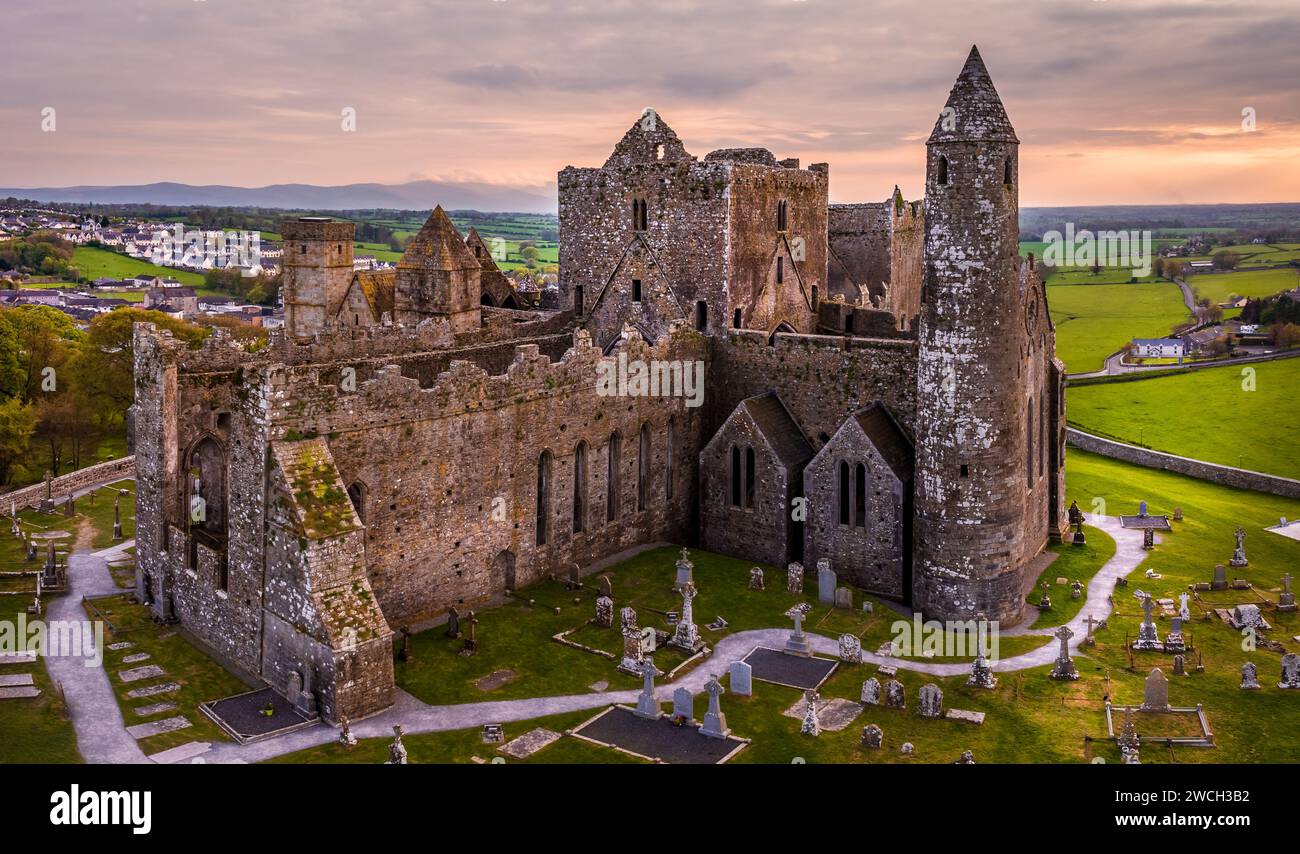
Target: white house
(1159, 348)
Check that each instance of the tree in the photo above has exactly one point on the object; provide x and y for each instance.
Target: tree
(1226, 259)
(17, 423)
(1286, 336)
(104, 372)
(45, 338)
(69, 425)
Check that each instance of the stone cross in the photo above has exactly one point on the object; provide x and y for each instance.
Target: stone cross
(396, 750)
(117, 517)
(1092, 622)
(715, 722)
(1064, 668)
(646, 705)
(1239, 554)
(1184, 611)
(1147, 607)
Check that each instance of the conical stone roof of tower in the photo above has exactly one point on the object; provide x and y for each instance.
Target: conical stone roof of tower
(438, 246)
(977, 113)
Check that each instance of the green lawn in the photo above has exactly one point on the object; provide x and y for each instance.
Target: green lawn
(1094, 320)
(200, 677)
(1207, 414)
(37, 460)
(458, 746)
(1219, 287)
(36, 730)
(100, 263)
(1073, 563)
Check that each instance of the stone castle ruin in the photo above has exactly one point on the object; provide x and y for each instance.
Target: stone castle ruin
(424, 437)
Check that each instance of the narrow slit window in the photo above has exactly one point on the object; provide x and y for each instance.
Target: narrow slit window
(735, 476)
(942, 176)
(844, 493)
(749, 477)
(636, 290)
(860, 496)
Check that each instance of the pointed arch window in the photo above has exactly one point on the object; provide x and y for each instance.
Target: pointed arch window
(735, 476)
(942, 171)
(643, 468)
(749, 477)
(543, 497)
(860, 496)
(782, 211)
(1029, 443)
(844, 493)
(580, 488)
(612, 477)
(640, 216)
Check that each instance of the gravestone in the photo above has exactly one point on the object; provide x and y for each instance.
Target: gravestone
(1045, 603)
(1180, 665)
(871, 692)
(632, 653)
(1091, 623)
(646, 705)
(117, 519)
(684, 705)
(1239, 553)
(396, 750)
(471, 638)
(1076, 590)
(1184, 610)
(715, 722)
(873, 737)
(930, 701)
(628, 617)
(843, 597)
(1220, 581)
(742, 678)
(810, 726)
(1290, 672)
(895, 695)
(606, 588)
(1148, 539)
(453, 623)
(907, 749)
(1128, 740)
(1174, 640)
(827, 581)
(1178, 514)
(1142, 509)
(1286, 599)
(1247, 617)
(1064, 667)
(1148, 636)
(47, 502)
(687, 634)
(756, 578)
(850, 649)
(1249, 677)
(346, 738)
(575, 578)
(69, 507)
(798, 643)
(794, 578)
(1155, 692)
(980, 675)
(604, 612)
(685, 572)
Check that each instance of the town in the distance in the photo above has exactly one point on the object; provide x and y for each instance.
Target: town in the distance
(712, 463)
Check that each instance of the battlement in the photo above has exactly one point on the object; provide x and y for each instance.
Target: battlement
(316, 228)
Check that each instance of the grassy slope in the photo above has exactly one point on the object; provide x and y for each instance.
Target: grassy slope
(1074, 563)
(1094, 320)
(98, 263)
(1204, 414)
(1218, 287)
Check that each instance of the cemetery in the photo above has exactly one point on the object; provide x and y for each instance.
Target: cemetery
(750, 663)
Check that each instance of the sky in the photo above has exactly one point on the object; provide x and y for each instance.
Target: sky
(1114, 101)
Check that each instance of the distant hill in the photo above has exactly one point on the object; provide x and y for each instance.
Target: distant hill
(414, 195)
(1172, 219)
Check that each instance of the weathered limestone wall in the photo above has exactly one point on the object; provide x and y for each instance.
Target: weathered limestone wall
(821, 379)
(66, 484)
(1213, 472)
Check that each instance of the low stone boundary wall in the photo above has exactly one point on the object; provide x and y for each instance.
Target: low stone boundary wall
(1213, 472)
(61, 486)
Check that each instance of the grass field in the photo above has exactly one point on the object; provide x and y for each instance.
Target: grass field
(1219, 287)
(102, 263)
(1206, 414)
(1094, 320)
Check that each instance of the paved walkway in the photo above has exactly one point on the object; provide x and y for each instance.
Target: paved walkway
(101, 734)
(102, 738)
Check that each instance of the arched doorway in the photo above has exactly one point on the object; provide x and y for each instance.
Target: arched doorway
(503, 570)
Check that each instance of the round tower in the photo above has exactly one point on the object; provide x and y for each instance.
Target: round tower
(971, 424)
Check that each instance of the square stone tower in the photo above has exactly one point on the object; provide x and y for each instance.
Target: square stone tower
(317, 264)
(438, 276)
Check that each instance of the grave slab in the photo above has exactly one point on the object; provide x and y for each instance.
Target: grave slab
(620, 727)
(795, 671)
(12, 680)
(182, 753)
(529, 743)
(153, 690)
(19, 692)
(832, 715)
(135, 657)
(120, 645)
(149, 671)
(159, 727)
(155, 709)
(964, 715)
